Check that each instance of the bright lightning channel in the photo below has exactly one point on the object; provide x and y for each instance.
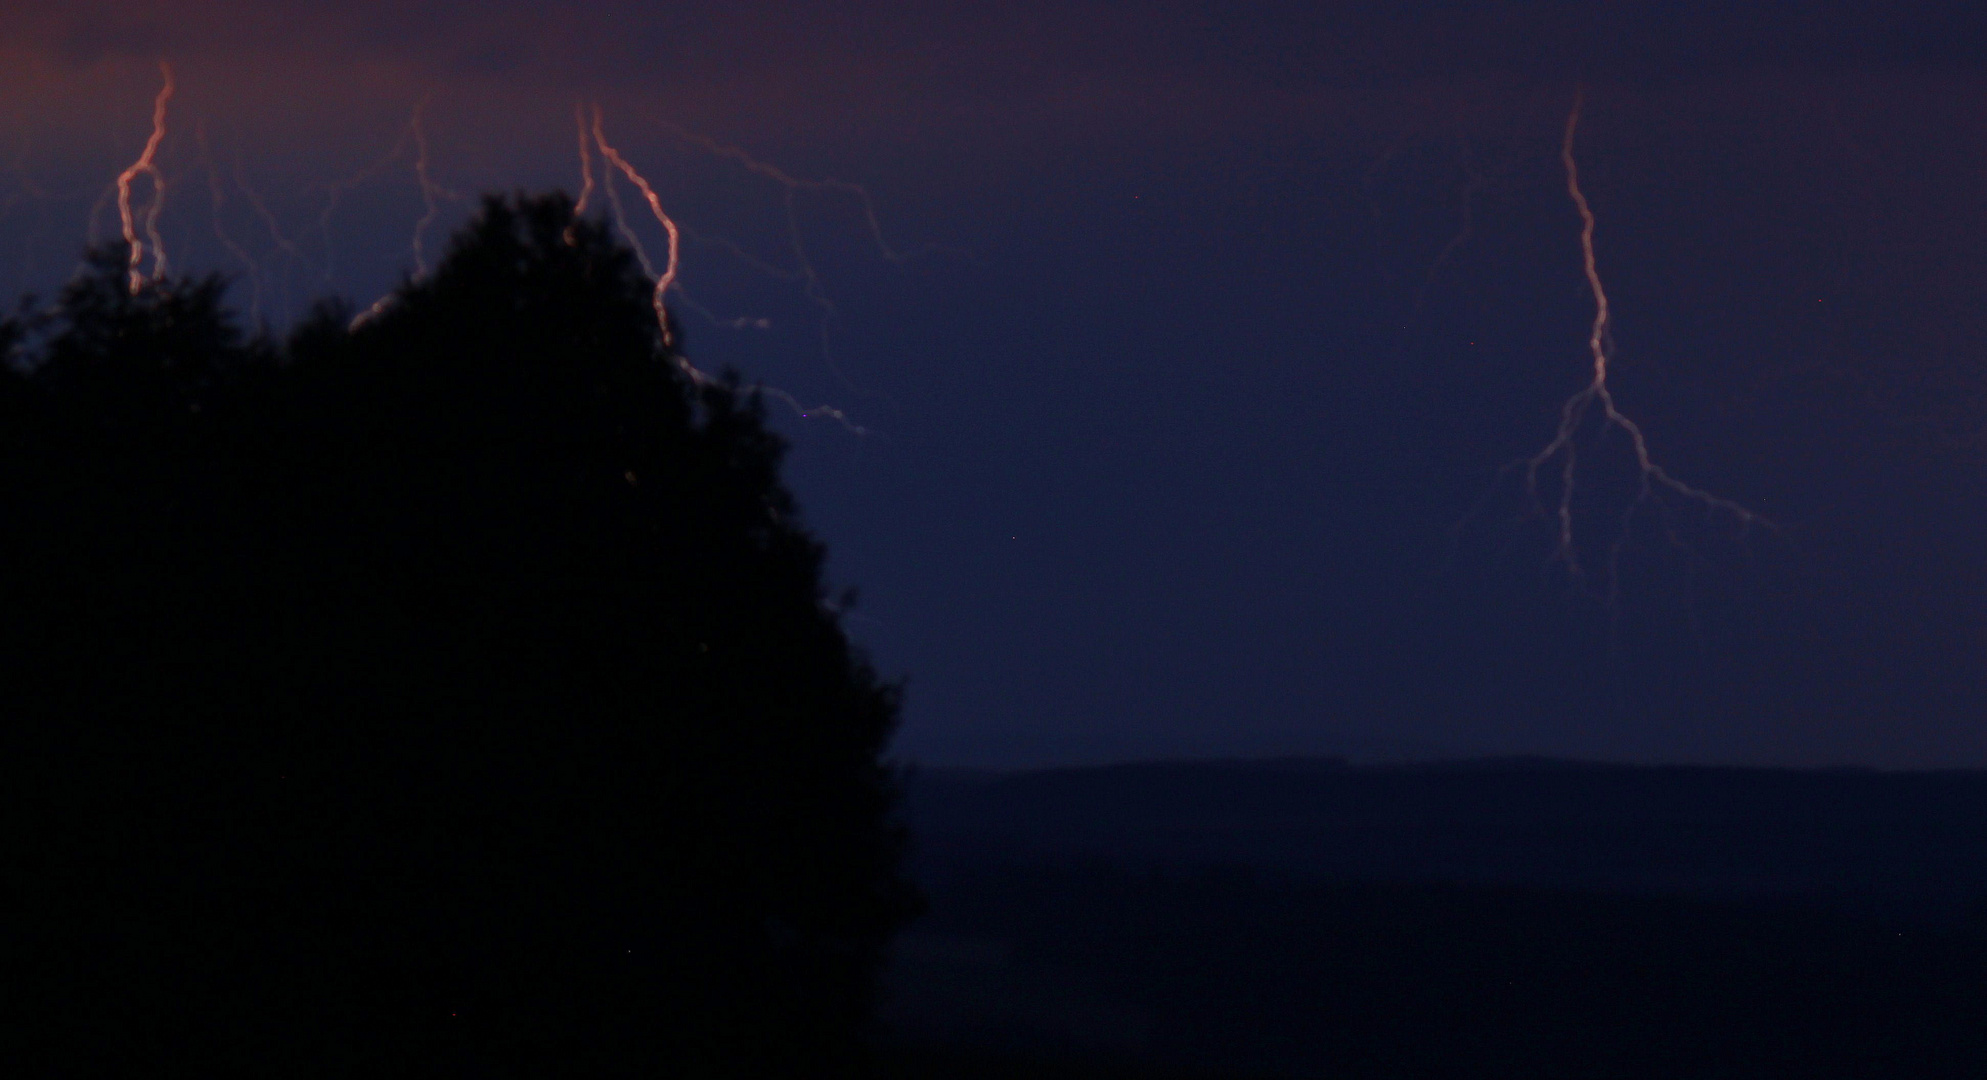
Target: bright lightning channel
(667, 279)
(1563, 451)
(804, 271)
(146, 166)
(142, 237)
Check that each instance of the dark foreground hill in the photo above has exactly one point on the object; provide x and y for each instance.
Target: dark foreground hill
(1485, 919)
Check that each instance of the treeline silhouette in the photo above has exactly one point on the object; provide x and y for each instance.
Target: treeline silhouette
(452, 693)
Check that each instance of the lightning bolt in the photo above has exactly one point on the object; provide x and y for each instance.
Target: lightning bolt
(667, 280)
(804, 271)
(335, 193)
(587, 186)
(145, 166)
(261, 208)
(431, 192)
(141, 225)
(285, 247)
(218, 202)
(1597, 399)
(586, 170)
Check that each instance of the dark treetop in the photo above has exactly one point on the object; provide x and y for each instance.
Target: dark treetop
(456, 691)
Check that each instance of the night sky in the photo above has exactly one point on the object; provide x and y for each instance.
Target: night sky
(1205, 334)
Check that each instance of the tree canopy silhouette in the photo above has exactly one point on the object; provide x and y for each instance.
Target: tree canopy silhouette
(452, 691)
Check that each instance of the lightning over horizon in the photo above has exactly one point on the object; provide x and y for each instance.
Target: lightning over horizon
(1595, 402)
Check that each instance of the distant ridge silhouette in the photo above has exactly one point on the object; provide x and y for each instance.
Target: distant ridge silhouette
(1502, 918)
(1903, 844)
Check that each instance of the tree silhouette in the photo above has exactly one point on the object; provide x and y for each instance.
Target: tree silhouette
(452, 693)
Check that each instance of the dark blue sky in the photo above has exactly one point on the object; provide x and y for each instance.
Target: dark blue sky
(1190, 443)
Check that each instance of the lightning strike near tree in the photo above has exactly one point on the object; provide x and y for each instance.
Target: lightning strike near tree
(1596, 400)
(586, 168)
(431, 192)
(431, 195)
(289, 254)
(1473, 184)
(793, 185)
(147, 167)
(232, 196)
(263, 214)
(791, 188)
(667, 279)
(218, 204)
